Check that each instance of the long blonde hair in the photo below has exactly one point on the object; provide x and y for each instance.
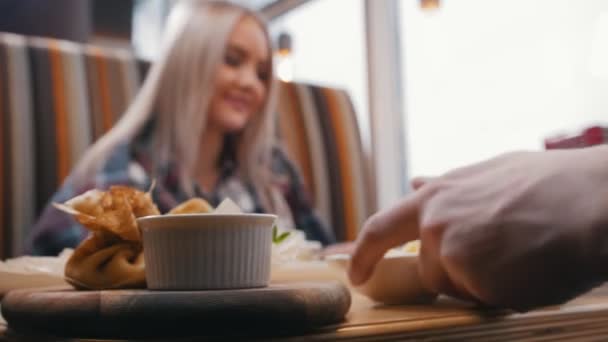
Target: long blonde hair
(178, 91)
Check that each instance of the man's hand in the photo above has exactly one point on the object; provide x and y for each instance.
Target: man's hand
(521, 230)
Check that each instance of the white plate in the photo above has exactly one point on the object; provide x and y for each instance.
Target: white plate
(395, 279)
(14, 281)
(30, 271)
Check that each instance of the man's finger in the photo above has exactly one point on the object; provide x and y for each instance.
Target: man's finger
(435, 276)
(429, 266)
(381, 232)
(418, 182)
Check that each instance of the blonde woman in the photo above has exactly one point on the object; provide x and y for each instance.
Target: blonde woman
(201, 125)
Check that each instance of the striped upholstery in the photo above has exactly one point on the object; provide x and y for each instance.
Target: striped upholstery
(113, 79)
(318, 127)
(56, 98)
(16, 143)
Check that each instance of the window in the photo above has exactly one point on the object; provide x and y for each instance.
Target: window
(488, 76)
(328, 42)
(148, 23)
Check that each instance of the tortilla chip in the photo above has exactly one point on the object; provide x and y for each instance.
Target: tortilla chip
(192, 206)
(112, 211)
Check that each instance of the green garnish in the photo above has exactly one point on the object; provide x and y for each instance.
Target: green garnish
(278, 238)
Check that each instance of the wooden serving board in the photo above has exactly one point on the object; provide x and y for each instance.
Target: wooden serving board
(143, 313)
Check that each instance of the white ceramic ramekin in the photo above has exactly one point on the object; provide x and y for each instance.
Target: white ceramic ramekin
(207, 251)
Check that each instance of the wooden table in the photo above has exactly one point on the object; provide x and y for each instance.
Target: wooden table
(583, 319)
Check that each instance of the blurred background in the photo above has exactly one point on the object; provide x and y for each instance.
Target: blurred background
(476, 77)
(435, 84)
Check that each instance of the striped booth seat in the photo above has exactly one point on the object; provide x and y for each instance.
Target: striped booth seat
(56, 97)
(318, 126)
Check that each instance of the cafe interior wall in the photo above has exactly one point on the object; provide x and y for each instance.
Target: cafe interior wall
(47, 18)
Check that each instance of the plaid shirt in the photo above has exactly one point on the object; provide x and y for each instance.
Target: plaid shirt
(130, 164)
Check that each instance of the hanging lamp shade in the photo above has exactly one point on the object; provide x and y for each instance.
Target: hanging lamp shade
(429, 4)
